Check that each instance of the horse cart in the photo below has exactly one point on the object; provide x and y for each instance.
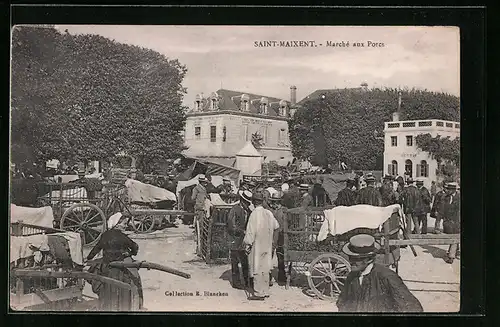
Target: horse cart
(78, 209)
(314, 237)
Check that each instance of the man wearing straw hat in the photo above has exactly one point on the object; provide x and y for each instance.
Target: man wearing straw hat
(451, 218)
(199, 196)
(371, 287)
(369, 195)
(410, 198)
(236, 225)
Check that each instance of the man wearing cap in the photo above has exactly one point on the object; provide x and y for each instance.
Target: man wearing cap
(371, 287)
(423, 206)
(279, 213)
(236, 225)
(387, 192)
(410, 199)
(260, 239)
(451, 218)
(437, 210)
(199, 195)
(347, 196)
(369, 195)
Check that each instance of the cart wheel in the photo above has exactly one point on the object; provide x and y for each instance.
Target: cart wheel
(327, 275)
(143, 224)
(84, 217)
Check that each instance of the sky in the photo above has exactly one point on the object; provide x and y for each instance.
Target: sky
(226, 56)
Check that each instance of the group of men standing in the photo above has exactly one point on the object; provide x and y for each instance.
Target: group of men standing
(417, 203)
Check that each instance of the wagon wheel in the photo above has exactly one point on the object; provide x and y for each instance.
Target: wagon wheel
(87, 218)
(143, 223)
(327, 275)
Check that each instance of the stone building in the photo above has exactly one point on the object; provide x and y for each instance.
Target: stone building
(219, 125)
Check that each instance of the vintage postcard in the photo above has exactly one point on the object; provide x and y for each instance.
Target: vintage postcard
(235, 168)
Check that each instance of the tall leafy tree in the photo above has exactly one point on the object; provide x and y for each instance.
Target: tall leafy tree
(85, 97)
(339, 125)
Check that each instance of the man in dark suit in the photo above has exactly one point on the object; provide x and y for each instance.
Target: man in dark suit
(387, 192)
(451, 218)
(424, 206)
(410, 199)
(236, 226)
(371, 287)
(369, 195)
(346, 196)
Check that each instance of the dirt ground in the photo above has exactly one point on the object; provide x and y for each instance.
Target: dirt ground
(434, 282)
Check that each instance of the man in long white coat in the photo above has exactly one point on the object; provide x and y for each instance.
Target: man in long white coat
(260, 240)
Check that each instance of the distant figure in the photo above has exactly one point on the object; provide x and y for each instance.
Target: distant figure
(347, 197)
(433, 190)
(369, 195)
(371, 287)
(410, 198)
(437, 210)
(424, 206)
(389, 196)
(279, 213)
(199, 196)
(451, 218)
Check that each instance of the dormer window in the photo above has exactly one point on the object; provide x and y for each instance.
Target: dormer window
(245, 99)
(214, 101)
(283, 108)
(264, 103)
(197, 103)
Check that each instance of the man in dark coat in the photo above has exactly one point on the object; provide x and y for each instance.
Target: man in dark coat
(437, 210)
(387, 192)
(236, 227)
(371, 287)
(292, 197)
(410, 198)
(369, 195)
(424, 206)
(346, 196)
(279, 213)
(451, 218)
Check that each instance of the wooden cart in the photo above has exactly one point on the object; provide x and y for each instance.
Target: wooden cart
(324, 264)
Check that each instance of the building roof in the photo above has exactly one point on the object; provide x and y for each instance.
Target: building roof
(249, 150)
(231, 100)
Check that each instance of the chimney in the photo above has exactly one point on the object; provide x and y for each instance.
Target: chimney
(293, 94)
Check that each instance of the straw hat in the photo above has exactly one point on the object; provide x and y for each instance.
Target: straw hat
(361, 245)
(114, 219)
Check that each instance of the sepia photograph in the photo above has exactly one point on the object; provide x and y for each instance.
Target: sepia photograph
(219, 168)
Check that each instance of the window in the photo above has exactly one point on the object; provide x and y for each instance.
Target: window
(392, 168)
(409, 168)
(213, 133)
(409, 140)
(263, 133)
(197, 132)
(423, 169)
(214, 104)
(244, 133)
(224, 131)
(394, 141)
(281, 137)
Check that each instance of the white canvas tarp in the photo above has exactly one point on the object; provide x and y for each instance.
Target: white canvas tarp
(34, 216)
(141, 192)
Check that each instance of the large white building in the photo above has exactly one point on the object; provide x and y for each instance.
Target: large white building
(219, 126)
(401, 153)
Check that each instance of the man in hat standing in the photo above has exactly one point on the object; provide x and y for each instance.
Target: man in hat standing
(236, 226)
(451, 218)
(371, 287)
(387, 192)
(199, 195)
(292, 196)
(410, 199)
(369, 195)
(279, 213)
(260, 239)
(347, 196)
(307, 199)
(437, 210)
(424, 206)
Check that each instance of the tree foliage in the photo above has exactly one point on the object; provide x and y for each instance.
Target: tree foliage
(85, 97)
(340, 124)
(445, 151)
(257, 140)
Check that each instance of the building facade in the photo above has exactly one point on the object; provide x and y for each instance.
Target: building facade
(401, 153)
(218, 126)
